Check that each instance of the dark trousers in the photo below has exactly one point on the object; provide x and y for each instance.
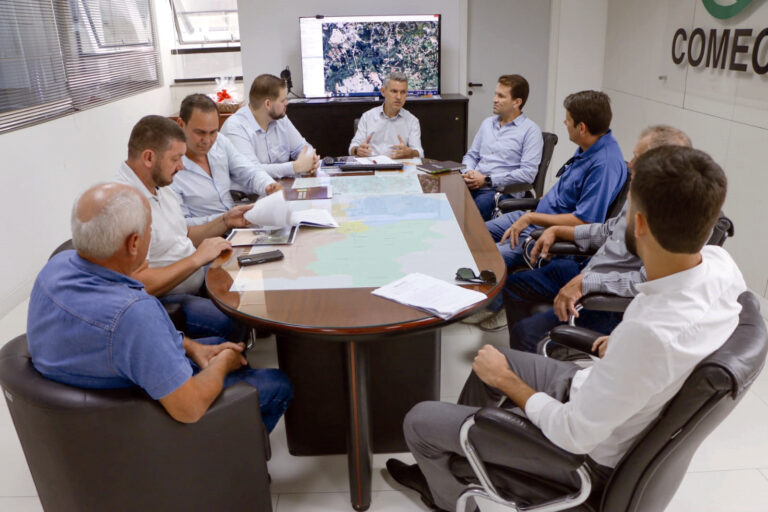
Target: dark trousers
(529, 288)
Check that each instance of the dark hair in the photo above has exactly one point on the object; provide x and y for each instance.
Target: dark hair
(155, 133)
(681, 191)
(518, 85)
(265, 87)
(199, 102)
(593, 108)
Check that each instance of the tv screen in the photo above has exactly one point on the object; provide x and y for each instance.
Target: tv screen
(352, 55)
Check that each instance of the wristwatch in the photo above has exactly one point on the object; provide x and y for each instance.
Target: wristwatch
(488, 182)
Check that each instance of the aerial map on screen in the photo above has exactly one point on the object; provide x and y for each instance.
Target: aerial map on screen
(359, 55)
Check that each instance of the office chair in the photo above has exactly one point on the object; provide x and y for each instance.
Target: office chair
(174, 311)
(648, 475)
(537, 187)
(119, 450)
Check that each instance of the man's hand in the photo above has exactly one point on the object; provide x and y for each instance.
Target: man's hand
(569, 295)
(202, 354)
(474, 179)
(234, 217)
(545, 241)
(365, 148)
(305, 161)
(600, 345)
(490, 365)
(273, 187)
(210, 249)
(315, 165)
(400, 150)
(513, 233)
(233, 360)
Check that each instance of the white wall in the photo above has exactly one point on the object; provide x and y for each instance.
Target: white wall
(47, 165)
(724, 112)
(269, 37)
(576, 57)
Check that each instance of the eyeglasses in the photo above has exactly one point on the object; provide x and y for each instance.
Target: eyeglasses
(468, 275)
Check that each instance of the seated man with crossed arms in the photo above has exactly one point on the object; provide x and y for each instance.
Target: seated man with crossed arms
(92, 325)
(507, 148)
(685, 311)
(389, 129)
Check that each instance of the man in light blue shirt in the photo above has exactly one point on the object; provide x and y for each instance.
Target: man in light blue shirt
(262, 132)
(507, 147)
(211, 165)
(389, 129)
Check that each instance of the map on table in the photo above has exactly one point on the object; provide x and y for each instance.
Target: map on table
(379, 239)
(361, 54)
(393, 183)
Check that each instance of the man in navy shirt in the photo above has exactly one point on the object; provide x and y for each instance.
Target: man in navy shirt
(91, 325)
(589, 182)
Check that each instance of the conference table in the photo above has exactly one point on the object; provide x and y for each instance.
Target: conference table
(357, 361)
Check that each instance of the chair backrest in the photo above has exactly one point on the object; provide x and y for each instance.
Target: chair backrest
(118, 450)
(550, 141)
(65, 246)
(722, 231)
(648, 475)
(618, 202)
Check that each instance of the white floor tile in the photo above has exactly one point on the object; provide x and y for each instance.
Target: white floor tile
(760, 386)
(381, 501)
(764, 471)
(716, 491)
(460, 343)
(739, 442)
(20, 504)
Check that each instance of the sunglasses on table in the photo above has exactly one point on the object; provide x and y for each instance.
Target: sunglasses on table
(468, 275)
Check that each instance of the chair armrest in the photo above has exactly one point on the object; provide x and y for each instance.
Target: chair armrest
(577, 338)
(512, 205)
(521, 435)
(516, 187)
(605, 302)
(561, 248)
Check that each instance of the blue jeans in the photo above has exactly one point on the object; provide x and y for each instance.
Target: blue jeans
(485, 200)
(513, 256)
(524, 289)
(204, 319)
(275, 390)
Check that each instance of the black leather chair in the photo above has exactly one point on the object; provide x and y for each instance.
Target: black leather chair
(119, 450)
(174, 311)
(648, 475)
(537, 187)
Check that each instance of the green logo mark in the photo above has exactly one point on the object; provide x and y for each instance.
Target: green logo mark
(723, 12)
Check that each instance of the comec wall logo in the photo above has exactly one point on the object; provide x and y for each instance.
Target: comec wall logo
(715, 48)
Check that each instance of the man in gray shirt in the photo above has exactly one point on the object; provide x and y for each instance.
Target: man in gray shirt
(612, 269)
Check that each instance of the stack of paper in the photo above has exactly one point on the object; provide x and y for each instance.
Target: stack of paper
(429, 294)
(273, 211)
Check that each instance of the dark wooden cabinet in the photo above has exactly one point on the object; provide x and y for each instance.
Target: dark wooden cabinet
(329, 124)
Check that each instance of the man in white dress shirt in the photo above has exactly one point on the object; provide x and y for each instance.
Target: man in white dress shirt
(262, 132)
(178, 254)
(212, 164)
(685, 311)
(389, 129)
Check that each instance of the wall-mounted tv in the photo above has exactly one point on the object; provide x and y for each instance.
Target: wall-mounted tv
(351, 55)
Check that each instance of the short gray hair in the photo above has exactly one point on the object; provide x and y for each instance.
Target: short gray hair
(104, 233)
(664, 135)
(397, 76)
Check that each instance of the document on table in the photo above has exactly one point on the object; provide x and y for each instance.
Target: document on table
(430, 294)
(273, 210)
(377, 159)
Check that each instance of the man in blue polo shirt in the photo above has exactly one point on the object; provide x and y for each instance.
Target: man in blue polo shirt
(91, 325)
(507, 148)
(589, 182)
